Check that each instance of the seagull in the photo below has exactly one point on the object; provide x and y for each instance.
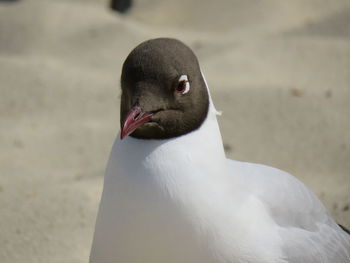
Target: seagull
(170, 194)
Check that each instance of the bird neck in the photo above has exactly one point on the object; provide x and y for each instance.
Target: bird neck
(169, 166)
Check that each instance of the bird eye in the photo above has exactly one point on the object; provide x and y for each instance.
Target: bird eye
(183, 85)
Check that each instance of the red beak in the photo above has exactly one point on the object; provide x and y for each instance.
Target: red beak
(135, 118)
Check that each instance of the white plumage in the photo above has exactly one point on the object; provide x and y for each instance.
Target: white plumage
(181, 201)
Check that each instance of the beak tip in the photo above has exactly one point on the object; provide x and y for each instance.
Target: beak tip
(122, 135)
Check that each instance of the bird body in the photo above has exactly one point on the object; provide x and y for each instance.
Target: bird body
(176, 190)
(180, 199)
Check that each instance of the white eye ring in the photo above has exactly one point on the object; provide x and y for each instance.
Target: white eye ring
(186, 87)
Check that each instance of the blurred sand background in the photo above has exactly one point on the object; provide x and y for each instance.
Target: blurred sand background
(279, 71)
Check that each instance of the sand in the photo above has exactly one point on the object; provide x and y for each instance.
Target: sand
(279, 71)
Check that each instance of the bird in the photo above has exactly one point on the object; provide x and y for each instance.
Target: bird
(170, 195)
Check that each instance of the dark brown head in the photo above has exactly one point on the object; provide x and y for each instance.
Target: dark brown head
(163, 92)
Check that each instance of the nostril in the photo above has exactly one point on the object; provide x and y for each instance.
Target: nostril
(137, 116)
(137, 112)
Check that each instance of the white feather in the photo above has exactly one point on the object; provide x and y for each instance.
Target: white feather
(181, 200)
